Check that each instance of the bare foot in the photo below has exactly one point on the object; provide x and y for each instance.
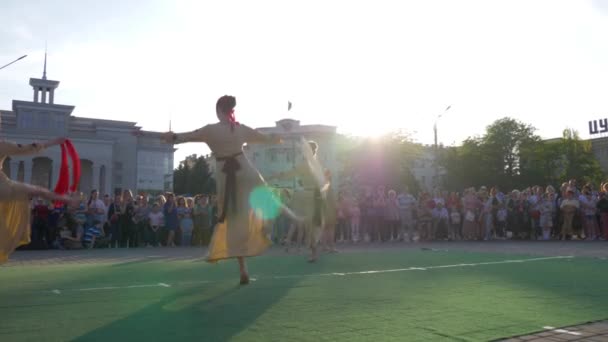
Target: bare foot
(244, 279)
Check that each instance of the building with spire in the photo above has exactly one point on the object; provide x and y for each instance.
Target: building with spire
(113, 158)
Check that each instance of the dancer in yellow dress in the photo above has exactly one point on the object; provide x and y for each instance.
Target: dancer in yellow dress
(309, 200)
(15, 198)
(240, 229)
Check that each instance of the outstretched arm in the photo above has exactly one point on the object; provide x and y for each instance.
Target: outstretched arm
(23, 190)
(255, 137)
(11, 149)
(198, 135)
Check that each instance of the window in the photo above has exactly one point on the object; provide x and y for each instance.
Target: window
(43, 120)
(26, 120)
(152, 170)
(271, 155)
(59, 121)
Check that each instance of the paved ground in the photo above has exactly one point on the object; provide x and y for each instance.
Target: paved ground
(593, 332)
(593, 249)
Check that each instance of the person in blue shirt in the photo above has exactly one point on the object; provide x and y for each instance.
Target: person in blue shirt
(171, 219)
(91, 234)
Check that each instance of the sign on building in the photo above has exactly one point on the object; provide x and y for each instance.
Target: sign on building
(593, 126)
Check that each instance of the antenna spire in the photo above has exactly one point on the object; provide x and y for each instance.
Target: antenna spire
(44, 71)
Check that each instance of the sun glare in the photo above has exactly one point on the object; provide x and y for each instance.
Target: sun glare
(368, 130)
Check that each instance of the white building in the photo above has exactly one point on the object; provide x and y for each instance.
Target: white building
(271, 159)
(112, 157)
(426, 171)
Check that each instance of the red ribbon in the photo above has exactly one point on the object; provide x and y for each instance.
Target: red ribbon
(63, 183)
(232, 120)
(75, 165)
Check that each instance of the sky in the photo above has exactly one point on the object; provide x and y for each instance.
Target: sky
(367, 67)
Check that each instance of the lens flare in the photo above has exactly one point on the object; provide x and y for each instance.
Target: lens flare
(265, 202)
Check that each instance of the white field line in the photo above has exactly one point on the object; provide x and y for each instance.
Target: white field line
(425, 268)
(339, 274)
(563, 331)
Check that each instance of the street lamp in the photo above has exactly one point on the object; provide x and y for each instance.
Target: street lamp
(437, 119)
(18, 59)
(436, 146)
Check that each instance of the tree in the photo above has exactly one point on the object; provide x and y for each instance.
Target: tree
(180, 178)
(502, 144)
(386, 160)
(540, 162)
(579, 161)
(498, 157)
(511, 155)
(200, 179)
(465, 165)
(193, 176)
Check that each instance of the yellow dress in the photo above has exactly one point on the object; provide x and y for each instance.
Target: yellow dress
(15, 210)
(242, 233)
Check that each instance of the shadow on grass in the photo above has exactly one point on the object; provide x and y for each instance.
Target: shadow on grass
(209, 312)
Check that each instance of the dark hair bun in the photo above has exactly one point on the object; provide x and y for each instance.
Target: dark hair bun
(225, 104)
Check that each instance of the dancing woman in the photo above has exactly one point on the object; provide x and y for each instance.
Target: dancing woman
(240, 231)
(309, 201)
(15, 199)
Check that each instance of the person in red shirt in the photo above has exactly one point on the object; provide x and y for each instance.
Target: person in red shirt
(41, 224)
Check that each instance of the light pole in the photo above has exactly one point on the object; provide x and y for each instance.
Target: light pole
(293, 148)
(437, 119)
(18, 59)
(436, 146)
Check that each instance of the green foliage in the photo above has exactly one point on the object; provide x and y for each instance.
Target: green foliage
(579, 161)
(193, 177)
(385, 160)
(511, 155)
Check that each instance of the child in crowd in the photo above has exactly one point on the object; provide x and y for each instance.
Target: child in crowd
(92, 234)
(546, 208)
(440, 221)
(156, 218)
(455, 221)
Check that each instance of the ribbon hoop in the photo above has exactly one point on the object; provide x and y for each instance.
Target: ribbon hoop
(63, 183)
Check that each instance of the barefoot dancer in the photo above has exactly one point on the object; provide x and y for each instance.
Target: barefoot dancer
(15, 199)
(239, 232)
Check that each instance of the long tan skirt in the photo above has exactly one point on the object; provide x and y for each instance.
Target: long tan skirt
(14, 226)
(242, 234)
(303, 206)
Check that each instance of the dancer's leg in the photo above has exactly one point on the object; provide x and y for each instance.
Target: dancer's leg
(243, 271)
(314, 236)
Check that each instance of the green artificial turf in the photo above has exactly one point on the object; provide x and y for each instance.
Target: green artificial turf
(203, 302)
